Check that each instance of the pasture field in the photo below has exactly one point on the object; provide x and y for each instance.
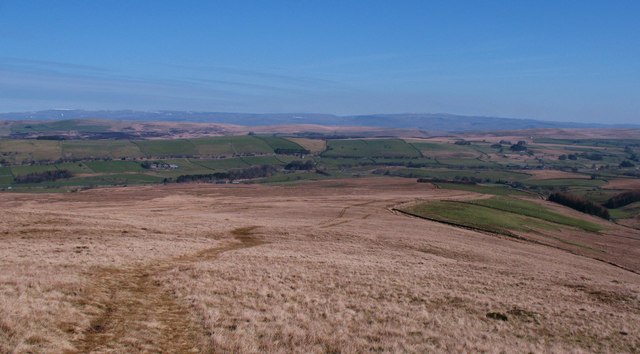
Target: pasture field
(164, 148)
(19, 151)
(281, 143)
(465, 163)
(6, 180)
(74, 167)
(24, 170)
(115, 166)
(230, 146)
(445, 150)
(219, 146)
(420, 161)
(196, 268)
(221, 164)
(267, 160)
(315, 146)
(345, 162)
(369, 148)
(251, 145)
(115, 149)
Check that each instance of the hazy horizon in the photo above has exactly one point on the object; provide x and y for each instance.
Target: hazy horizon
(567, 62)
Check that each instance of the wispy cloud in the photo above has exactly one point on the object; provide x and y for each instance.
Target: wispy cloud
(78, 85)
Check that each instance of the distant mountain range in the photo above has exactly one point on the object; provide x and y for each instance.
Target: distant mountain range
(424, 121)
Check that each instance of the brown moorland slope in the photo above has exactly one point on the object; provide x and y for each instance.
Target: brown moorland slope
(314, 267)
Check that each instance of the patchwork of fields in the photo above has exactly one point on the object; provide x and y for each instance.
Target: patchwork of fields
(586, 167)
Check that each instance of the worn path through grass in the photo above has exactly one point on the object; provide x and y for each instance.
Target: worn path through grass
(138, 314)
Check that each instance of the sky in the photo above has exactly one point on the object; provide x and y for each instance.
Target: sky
(551, 60)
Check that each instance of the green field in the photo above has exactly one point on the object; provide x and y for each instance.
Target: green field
(6, 177)
(19, 151)
(6, 180)
(499, 214)
(24, 170)
(465, 162)
(232, 145)
(280, 143)
(83, 149)
(446, 149)
(370, 148)
(523, 207)
(115, 166)
(627, 211)
(451, 174)
(483, 189)
(74, 167)
(478, 217)
(221, 146)
(163, 148)
(221, 164)
(267, 160)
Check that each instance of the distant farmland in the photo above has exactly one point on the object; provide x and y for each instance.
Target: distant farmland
(538, 167)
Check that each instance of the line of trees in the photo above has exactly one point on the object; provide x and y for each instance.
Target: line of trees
(244, 173)
(45, 176)
(580, 204)
(622, 199)
(300, 165)
(288, 151)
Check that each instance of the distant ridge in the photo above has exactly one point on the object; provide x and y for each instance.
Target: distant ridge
(425, 121)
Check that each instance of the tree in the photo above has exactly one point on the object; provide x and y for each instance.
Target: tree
(626, 164)
(579, 203)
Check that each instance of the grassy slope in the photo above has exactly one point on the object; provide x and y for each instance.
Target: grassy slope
(498, 214)
(537, 211)
(478, 217)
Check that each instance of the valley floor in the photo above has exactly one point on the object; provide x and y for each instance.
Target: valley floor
(314, 267)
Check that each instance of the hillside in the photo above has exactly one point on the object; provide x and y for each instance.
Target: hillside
(440, 122)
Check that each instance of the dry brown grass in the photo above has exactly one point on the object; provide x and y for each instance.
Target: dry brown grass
(331, 269)
(316, 146)
(553, 174)
(623, 184)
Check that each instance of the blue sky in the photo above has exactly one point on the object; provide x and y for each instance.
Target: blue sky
(552, 60)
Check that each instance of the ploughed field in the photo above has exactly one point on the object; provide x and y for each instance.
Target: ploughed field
(325, 266)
